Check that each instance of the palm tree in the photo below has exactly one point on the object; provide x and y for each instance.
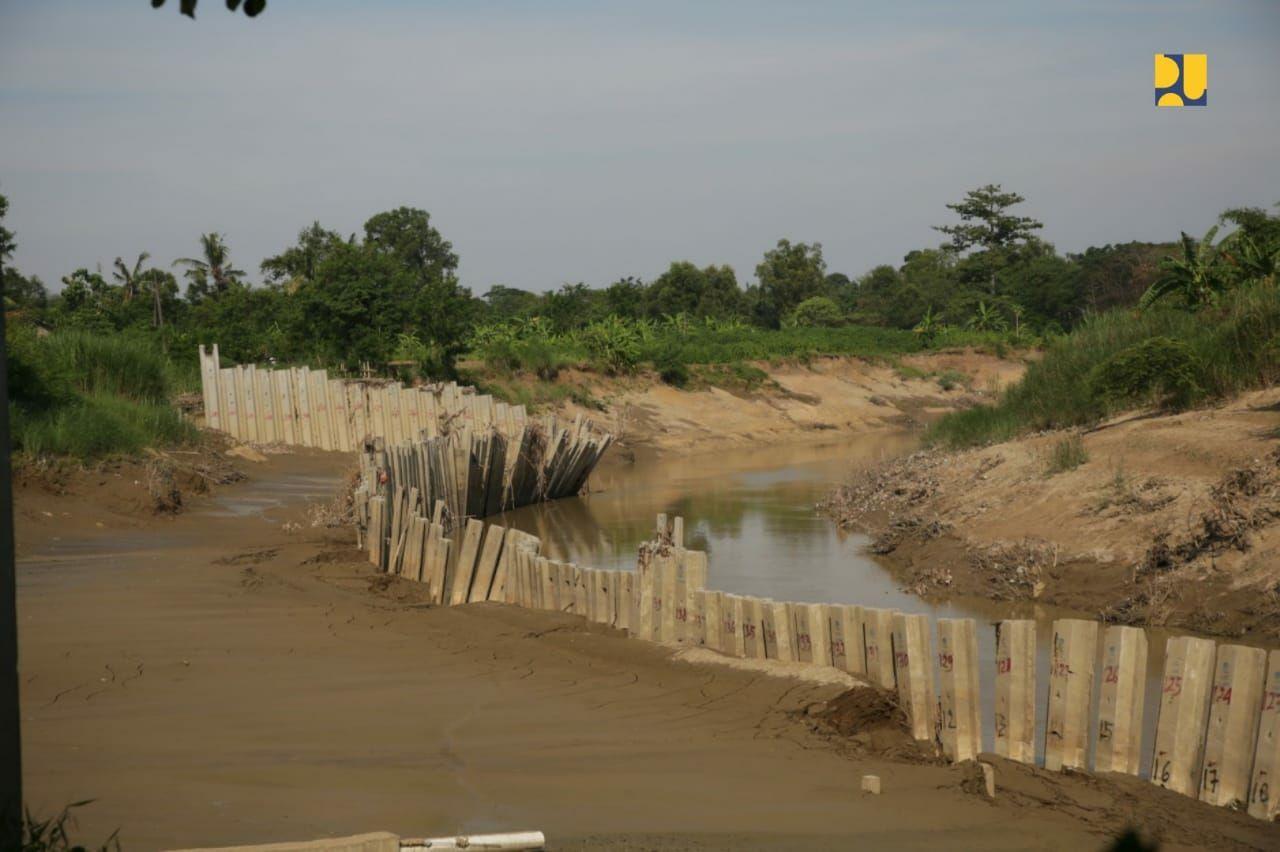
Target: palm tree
(212, 268)
(1196, 276)
(128, 278)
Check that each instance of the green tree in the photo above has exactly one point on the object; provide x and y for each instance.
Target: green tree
(128, 277)
(987, 226)
(211, 274)
(818, 312)
(625, 298)
(506, 303)
(1195, 276)
(252, 8)
(686, 289)
(297, 264)
(789, 274)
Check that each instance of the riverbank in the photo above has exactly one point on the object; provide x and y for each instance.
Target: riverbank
(761, 404)
(1155, 520)
(239, 675)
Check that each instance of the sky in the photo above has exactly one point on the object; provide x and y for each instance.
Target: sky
(567, 141)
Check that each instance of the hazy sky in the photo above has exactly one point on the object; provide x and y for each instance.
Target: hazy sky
(561, 141)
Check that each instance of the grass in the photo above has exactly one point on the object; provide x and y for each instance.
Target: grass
(1229, 348)
(89, 396)
(1067, 453)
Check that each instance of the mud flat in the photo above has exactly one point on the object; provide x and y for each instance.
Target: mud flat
(1170, 520)
(237, 675)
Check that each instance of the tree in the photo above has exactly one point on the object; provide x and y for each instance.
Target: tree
(211, 274)
(297, 264)
(986, 225)
(506, 303)
(252, 8)
(818, 312)
(407, 235)
(163, 289)
(686, 289)
(625, 298)
(7, 241)
(1196, 276)
(789, 274)
(127, 277)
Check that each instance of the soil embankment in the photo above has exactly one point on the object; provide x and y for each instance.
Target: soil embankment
(235, 674)
(1170, 520)
(796, 402)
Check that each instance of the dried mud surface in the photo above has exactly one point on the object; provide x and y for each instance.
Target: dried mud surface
(222, 677)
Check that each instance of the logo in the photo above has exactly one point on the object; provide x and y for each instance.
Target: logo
(1182, 79)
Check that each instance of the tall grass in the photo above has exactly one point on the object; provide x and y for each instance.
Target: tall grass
(86, 395)
(1232, 346)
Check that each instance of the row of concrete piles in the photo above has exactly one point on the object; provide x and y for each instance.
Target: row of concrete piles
(298, 406)
(1217, 733)
(473, 474)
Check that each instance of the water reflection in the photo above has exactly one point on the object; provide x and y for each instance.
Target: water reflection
(752, 512)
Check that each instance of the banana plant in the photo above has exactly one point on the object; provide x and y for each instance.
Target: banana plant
(1196, 276)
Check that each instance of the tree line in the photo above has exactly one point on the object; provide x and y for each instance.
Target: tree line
(392, 290)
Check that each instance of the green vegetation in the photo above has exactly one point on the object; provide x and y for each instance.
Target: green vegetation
(1165, 356)
(1068, 453)
(53, 835)
(389, 297)
(89, 396)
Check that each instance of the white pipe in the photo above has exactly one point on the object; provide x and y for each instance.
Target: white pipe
(509, 842)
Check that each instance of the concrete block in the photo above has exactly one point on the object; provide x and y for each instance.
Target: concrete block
(877, 631)
(871, 784)
(464, 568)
(1264, 803)
(696, 622)
(959, 703)
(1015, 719)
(799, 617)
(1183, 714)
(731, 634)
(626, 591)
(778, 632)
(1072, 661)
(668, 572)
(819, 637)
(835, 630)
(713, 618)
(988, 779)
(1235, 708)
(1120, 700)
(752, 634)
(855, 649)
(913, 671)
(645, 599)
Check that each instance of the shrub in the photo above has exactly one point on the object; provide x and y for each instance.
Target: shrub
(1159, 370)
(818, 312)
(1068, 453)
(614, 344)
(672, 370)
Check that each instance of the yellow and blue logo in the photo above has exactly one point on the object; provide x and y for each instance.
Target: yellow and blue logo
(1182, 79)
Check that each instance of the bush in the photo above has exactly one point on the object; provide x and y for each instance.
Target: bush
(97, 426)
(1216, 352)
(1067, 454)
(1160, 371)
(672, 371)
(614, 344)
(818, 312)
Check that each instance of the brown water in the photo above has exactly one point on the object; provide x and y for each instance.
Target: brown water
(753, 512)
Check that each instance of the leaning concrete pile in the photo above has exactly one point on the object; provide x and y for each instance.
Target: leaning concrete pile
(1217, 732)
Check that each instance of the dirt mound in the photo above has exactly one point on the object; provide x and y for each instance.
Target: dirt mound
(873, 723)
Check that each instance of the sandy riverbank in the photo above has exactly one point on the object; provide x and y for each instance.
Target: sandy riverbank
(234, 675)
(1171, 520)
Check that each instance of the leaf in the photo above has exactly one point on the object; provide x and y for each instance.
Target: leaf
(253, 7)
(232, 5)
(189, 8)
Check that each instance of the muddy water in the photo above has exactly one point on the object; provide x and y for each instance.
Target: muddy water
(752, 511)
